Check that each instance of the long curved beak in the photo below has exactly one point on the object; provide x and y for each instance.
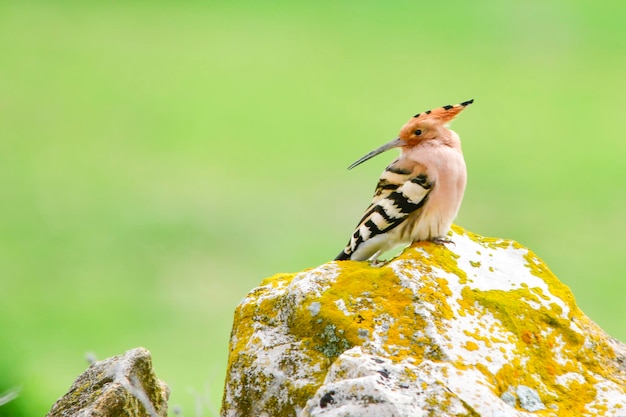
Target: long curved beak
(396, 143)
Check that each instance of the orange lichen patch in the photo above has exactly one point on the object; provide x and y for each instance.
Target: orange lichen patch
(527, 337)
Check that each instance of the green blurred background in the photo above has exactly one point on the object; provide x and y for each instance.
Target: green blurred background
(158, 159)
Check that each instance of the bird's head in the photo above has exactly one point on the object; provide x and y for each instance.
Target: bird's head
(429, 125)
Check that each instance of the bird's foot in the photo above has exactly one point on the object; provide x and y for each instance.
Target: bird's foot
(442, 241)
(376, 263)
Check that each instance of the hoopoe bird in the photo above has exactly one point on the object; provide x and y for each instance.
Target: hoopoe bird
(419, 194)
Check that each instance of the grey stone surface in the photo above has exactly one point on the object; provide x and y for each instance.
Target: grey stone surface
(509, 398)
(529, 399)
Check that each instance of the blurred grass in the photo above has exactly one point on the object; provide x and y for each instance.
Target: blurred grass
(158, 159)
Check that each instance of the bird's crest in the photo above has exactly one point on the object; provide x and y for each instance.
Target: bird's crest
(443, 114)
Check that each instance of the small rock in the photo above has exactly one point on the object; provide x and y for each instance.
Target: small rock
(121, 386)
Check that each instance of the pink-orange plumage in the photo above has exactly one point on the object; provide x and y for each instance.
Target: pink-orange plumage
(420, 193)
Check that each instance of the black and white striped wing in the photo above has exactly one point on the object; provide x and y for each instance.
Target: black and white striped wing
(400, 192)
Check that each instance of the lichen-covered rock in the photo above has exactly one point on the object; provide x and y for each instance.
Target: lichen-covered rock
(120, 386)
(479, 328)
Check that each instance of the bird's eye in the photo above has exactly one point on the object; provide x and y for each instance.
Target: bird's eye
(418, 132)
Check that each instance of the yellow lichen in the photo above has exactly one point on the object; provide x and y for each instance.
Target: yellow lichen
(363, 301)
(469, 345)
(536, 330)
(476, 335)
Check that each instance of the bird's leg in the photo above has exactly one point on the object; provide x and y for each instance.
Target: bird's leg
(442, 241)
(374, 261)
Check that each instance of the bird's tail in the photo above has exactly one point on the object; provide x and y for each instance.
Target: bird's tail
(343, 256)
